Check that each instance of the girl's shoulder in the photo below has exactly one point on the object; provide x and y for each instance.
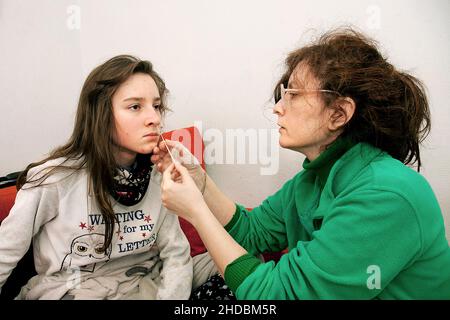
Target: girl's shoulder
(54, 170)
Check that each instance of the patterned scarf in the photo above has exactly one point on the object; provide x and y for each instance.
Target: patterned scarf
(130, 184)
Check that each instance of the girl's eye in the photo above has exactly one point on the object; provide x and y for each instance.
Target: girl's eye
(157, 107)
(135, 107)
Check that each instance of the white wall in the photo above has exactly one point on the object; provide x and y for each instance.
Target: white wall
(220, 60)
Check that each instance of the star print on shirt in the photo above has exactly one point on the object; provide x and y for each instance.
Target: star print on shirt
(144, 234)
(91, 228)
(121, 238)
(82, 225)
(147, 219)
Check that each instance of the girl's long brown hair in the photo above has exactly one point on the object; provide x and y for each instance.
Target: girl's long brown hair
(91, 141)
(392, 111)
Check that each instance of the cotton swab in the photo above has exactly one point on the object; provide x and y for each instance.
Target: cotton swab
(167, 147)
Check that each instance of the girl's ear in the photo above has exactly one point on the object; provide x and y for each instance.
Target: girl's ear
(341, 113)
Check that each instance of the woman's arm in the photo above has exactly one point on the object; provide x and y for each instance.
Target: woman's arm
(175, 195)
(220, 205)
(221, 246)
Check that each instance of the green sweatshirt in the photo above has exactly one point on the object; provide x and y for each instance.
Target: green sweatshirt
(358, 225)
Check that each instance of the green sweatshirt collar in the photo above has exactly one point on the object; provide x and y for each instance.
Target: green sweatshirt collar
(324, 162)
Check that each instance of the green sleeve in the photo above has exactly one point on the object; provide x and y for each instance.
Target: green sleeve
(372, 228)
(262, 229)
(234, 219)
(239, 269)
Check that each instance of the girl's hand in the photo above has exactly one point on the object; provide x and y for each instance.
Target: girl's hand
(180, 194)
(162, 160)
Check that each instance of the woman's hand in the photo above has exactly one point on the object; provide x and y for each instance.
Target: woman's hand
(183, 198)
(161, 158)
(180, 194)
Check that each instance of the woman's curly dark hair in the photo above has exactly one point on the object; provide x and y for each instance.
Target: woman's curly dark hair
(392, 111)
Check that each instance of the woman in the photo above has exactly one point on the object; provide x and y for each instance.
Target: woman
(358, 222)
(93, 208)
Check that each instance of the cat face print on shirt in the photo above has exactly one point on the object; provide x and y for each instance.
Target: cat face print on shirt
(85, 252)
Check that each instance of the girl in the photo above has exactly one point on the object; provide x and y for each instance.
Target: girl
(92, 209)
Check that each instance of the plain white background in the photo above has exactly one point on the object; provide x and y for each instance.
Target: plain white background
(220, 60)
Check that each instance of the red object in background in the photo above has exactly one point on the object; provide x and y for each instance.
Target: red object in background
(7, 198)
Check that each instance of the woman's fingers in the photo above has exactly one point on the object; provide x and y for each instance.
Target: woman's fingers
(175, 147)
(179, 192)
(164, 144)
(162, 160)
(181, 169)
(166, 177)
(160, 155)
(175, 172)
(184, 175)
(154, 158)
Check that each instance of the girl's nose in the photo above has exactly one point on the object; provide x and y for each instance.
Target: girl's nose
(152, 117)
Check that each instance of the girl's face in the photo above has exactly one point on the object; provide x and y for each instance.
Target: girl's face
(303, 117)
(136, 109)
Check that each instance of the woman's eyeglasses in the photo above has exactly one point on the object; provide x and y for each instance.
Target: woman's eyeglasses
(286, 96)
